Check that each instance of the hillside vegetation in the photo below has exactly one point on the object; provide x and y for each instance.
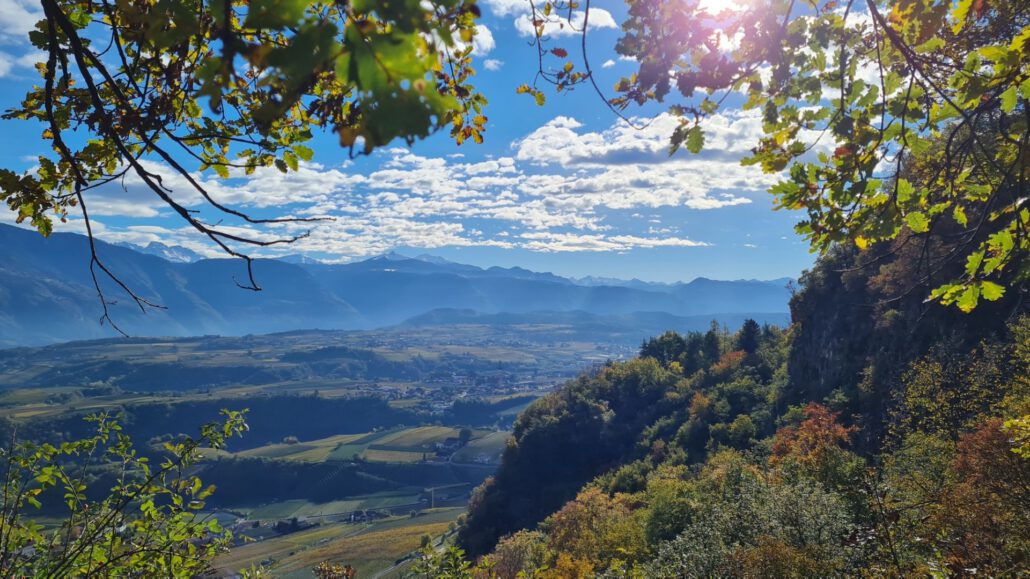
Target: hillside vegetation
(878, 435)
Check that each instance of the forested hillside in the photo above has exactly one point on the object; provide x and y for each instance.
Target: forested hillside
(876, 434)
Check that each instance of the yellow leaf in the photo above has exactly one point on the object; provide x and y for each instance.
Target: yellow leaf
(960, 14)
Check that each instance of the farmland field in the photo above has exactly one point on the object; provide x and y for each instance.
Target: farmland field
(421, 438)
(310, 451)
(304, 508)
(370, 548)
(349, 432)
(485, 450)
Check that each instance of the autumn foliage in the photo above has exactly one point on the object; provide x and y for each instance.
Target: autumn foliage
(809, 442)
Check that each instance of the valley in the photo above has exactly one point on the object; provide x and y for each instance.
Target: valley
(514, 290)
(365, 437)
(360, 443)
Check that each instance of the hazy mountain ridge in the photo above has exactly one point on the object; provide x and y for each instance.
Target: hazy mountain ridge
(646, 323)
(47, 293)
(174, 253)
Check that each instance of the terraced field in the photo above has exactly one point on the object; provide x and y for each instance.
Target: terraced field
(371, 548)
(404, 445)
(416, 439)
(301, 508)
(313, 451)
(376, 455)
(483, 450)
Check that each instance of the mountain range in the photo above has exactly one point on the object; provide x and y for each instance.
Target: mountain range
(47, 293)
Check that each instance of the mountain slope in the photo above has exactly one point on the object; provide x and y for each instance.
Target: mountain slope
(175, 253)
(47, 293)
(765, 453)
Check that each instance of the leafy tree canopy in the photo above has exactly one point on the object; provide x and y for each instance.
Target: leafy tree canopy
(148, 523)
(232, 85)
(886, 119)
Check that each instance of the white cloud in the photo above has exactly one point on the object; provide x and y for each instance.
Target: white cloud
(564, 26)
(727, 135)
(564, 187)
(492, 64)
(17, 18)
(608, 63)
(12, 65)
(507, 7)
(622, 167)
(483, 41)
(574, 242)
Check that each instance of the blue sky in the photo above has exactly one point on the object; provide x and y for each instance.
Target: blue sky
(565, 188)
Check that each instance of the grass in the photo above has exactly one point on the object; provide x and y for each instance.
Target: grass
(373, 455)
(304, 508)
(347, 450)
(486, 449)
(369, 549)
(405, 445)
(278, 547)
(420, 438)
(280, 510)
(277, 451)
(318, 450)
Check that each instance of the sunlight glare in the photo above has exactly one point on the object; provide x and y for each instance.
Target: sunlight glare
(718, 6)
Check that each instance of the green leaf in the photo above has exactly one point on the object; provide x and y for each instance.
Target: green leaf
(305, 153)
(959, 214)
(935, 43)
(960, 14)
(969, 298)
(992, 291)
(973, 262)
(291, 160)
(917, 222)
(905, 190)
(274, 13)
(1009, 98)
(695, 139)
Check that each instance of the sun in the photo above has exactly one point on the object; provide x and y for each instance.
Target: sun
(719, 6)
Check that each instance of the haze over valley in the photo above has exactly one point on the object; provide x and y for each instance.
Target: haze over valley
(47, 295)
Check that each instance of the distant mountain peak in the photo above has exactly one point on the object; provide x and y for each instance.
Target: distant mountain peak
(594, 280)
(173, 253)
(44, 284)
(424, 257)
(391, 256)
(433, 259)
(299, 258)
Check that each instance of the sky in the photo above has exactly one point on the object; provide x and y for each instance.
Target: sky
(566, 188)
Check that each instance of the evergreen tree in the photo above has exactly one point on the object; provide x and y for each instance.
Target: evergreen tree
(749, 336)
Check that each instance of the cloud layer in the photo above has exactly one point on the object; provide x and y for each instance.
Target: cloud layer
(17, 18)
(562, 188)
